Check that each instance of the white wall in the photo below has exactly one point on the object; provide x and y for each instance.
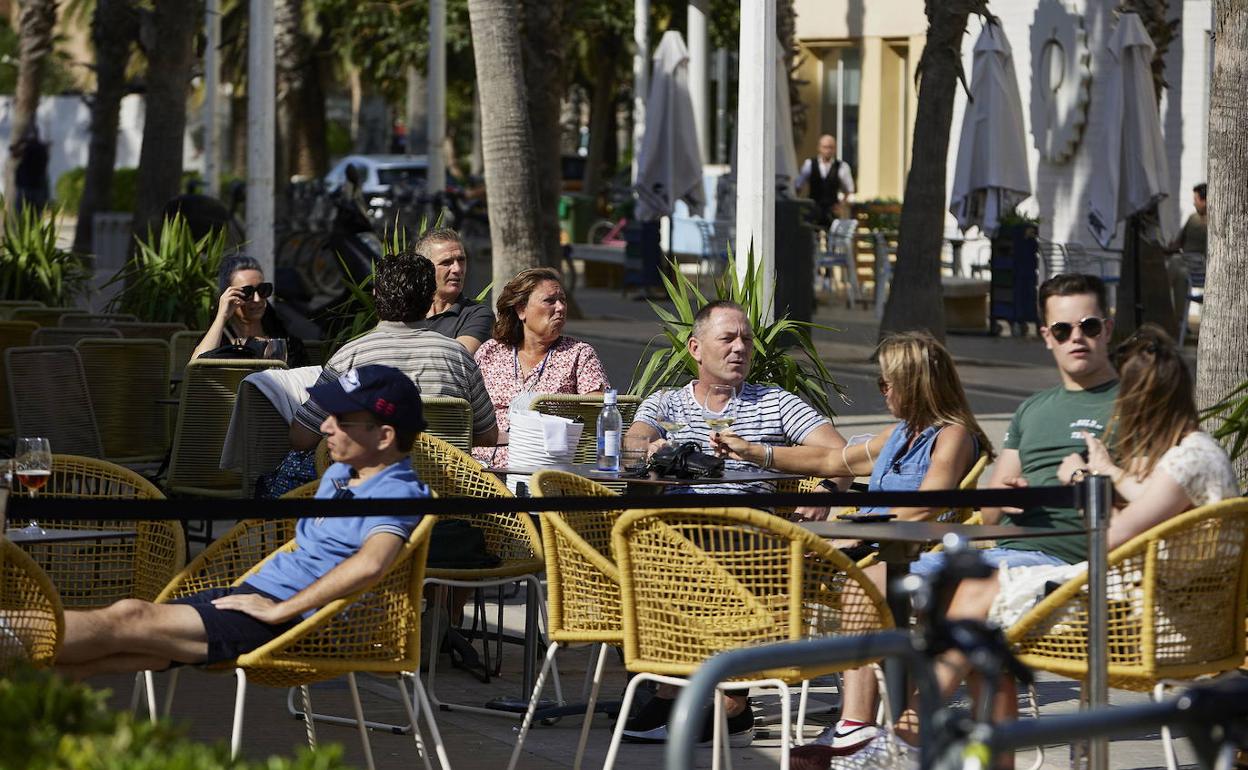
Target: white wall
(1061, 190)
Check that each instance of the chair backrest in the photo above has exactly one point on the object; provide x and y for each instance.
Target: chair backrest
(34, 622)
(317, 351)
(10, 306)
(46, 316)
(583, 584)
(695, 582)
(69, 335)
(146, 330)
(126, 377)
(587, 408)
(209, 389)
(13, 334)
(450, 419)
(266, 433)
(795, 486)
(97, 319)
(181, 345)
(969, 481)
(97, 573)
(1051, 256)
(48, 396)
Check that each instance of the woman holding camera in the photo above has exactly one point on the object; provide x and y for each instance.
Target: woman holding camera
(244, 313)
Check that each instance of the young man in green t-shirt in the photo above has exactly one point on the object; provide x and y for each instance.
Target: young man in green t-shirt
(1044, 430)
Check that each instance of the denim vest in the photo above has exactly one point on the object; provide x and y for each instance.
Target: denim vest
(899, 469)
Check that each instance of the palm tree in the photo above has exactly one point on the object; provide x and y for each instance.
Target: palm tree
(1221, 363)
(300, 96)
(35, 22)
(544, 53)
(915, 300)
(506, 140)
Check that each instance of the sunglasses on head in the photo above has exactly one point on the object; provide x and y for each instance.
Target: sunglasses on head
(265, 290)
(1090, 326)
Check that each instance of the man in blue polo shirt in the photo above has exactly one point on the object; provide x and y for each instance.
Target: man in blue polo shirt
(375, 414)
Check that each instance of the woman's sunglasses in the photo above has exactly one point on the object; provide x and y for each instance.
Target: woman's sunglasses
(1090, 326)
(883, 385)
(265, 290)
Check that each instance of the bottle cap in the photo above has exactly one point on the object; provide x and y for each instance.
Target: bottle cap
(608, 398)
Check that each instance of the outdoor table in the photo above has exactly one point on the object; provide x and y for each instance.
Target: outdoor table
(20, 536)
(901, 542)
(591, 472)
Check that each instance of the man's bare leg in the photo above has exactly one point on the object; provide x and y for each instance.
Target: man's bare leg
(113, 664)
(136, 628)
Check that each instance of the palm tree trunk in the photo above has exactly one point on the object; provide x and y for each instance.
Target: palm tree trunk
(114, 28)
(601, 108)
(543, 48)
(300, 97)
(1221, 363)
(169, 65)
(506, 140)
(35, 22)
(915, 300)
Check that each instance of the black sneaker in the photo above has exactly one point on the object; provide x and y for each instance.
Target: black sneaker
(740, 727)
(650, 724)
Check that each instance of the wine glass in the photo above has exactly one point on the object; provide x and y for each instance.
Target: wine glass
(32, 465)
(720, 408)
(669, 420)
(275, 349)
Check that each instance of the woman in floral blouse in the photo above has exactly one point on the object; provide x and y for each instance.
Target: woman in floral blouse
(529, 354)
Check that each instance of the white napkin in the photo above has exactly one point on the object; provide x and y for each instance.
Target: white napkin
(286, 389)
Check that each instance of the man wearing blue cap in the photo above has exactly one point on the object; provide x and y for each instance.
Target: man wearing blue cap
(375, 414)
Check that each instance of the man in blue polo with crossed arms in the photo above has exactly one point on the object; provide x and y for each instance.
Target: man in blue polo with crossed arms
(375, 414)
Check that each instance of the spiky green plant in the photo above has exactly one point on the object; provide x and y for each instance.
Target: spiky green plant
(784, 354)
(32, 266)
(1227, 421)
(172, 277)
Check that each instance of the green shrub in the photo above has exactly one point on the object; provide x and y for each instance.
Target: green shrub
(172, 277)
(70, 185)
(68, 189)
(51, 724)
(32, 266)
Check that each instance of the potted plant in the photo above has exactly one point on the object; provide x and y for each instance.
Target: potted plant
(173, 277)
(1013, 265)
(33, 267)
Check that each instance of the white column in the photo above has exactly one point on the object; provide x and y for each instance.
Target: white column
(261, 133)
(721, 105)
(698, 81)
(756, 142)
(437, 96)
(212, 81)
(641, 75)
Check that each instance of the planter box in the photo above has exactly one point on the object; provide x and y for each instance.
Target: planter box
(1013, 291)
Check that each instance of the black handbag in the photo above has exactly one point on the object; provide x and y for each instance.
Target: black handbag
(686, 461)
(248, 350)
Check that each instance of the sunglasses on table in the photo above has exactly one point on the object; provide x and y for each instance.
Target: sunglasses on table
(1090, 326)
(265, 290)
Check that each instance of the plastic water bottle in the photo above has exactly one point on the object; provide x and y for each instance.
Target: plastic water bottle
(609, 425)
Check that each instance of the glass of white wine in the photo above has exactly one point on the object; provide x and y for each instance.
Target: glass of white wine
(719, 411)
(32, 464)
(670, 420)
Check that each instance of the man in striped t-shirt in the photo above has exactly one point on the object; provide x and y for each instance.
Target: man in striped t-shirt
(722, 343)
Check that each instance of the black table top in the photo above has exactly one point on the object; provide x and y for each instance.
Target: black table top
(925, 531)
(590, 471)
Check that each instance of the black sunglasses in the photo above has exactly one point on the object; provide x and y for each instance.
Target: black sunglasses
(883, 385)
(1090, 326)
(265, 290)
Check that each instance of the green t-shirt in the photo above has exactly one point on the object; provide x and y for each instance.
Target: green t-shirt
(1046, 428)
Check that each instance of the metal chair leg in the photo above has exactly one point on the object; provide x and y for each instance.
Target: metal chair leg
(590, 703)
(533, 701)
(422, 698)
(309, 724)
(240, 697)
(359, 720)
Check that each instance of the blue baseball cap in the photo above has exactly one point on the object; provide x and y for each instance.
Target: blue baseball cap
(383, 391)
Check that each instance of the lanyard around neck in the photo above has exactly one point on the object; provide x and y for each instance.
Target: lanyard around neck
(515, 362)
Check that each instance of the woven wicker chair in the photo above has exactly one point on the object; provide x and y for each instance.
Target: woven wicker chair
(146, 330)
(583, 587)
(511, 536)
(181, 346)
(34, 622)
(97, 319)
(450, 419)
(1178, 595)
(69, 335)
(10, 306)
(374, 630)
(46, 316)
(13, 334)
(209, 390)
(587, 408)
(699, 581)
(49, 397)
(91, 574)
(126, 378)
(266, 435)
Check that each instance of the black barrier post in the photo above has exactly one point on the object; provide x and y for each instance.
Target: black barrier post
(1098, 495)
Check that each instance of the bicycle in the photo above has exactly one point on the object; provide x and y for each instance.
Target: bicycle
(1215, 715)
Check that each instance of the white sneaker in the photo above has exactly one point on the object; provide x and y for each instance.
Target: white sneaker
(882, 753)
(847, 740)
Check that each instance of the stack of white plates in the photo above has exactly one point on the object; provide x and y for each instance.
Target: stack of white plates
(540, 440)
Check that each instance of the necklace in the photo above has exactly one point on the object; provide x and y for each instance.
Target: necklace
(540, 368)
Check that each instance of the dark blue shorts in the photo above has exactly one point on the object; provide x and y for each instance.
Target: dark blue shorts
(230, 632)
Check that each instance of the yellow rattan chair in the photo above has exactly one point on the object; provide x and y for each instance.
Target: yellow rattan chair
(148, 330)
(450, 419)
(97, 319)
(48, 396)
(512, 537)
(1178, 594)
(583, 586)
(587, 408)
(375, 630)
(34, 623)
(126, 378)
(9, 306)
(92, 574)
(696, 582)
(46, 316)
(13, 334)
(69, 335)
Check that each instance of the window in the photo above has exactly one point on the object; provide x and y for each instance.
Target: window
(842, 86)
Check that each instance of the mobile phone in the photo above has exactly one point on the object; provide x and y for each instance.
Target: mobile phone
(866, 517)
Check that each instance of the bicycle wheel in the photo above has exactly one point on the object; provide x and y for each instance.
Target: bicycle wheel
(599, 230)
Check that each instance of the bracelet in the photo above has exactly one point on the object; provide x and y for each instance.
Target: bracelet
(867, 446)
(845, 459)
(768, 452)
(1079, 474)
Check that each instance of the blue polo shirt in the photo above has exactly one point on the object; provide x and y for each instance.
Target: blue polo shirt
(324, 543)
